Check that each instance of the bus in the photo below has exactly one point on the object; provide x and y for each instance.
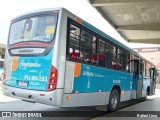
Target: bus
(54, 57)
(1, 69)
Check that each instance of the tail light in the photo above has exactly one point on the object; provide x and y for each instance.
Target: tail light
(52, 81)
(4, 74)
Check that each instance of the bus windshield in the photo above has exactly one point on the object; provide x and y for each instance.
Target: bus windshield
(39, 28)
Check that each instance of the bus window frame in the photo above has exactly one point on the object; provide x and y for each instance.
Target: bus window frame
(70, 21)
(81, 27)
(32, 15)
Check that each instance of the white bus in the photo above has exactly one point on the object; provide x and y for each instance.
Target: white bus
(56, 58)
(1, 68)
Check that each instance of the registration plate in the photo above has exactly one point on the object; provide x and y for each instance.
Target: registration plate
(22, 84)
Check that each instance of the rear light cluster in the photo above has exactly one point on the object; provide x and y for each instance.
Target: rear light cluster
(4, 74)
(52, 81)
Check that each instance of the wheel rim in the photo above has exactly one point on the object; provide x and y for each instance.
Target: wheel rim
(114, 101)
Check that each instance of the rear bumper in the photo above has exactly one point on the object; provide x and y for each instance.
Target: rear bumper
(53, 98)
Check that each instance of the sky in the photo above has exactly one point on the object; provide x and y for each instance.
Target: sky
(82, 8)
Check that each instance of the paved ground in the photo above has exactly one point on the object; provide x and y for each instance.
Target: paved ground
(151, 106)
(4, 98)
(11, 104)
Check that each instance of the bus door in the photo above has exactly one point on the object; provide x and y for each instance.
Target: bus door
(140, 80)
(153, 80)
(136, 69)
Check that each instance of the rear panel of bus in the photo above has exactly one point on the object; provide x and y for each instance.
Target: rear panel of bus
(31, 70)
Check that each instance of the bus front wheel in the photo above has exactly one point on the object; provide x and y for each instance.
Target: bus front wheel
(113, 100)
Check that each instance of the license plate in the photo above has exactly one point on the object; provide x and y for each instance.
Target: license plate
(22, 84)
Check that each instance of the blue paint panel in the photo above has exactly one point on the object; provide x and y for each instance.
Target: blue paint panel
(145, 82)
(34, 71)
(94, 78)
(135, 82)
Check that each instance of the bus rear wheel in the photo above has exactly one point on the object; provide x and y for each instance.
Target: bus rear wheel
(113, 100)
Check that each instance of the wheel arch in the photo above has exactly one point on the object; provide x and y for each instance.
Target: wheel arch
(115, 90)
(117, 87)
(148, 90)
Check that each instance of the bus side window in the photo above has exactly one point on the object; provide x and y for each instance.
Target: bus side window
(70, 52)
(108, 56)
(101, 51)
(114, 59)
(101, 58)
(94, 50)
(114, 64)
(86, 46)
(73, 53)
(122, 60)
(94, 58)
(119, 59)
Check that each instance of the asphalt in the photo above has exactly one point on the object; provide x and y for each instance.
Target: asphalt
(145, 110)
(131, 108)
(3, 98)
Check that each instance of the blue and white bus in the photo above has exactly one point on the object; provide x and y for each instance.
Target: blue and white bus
(56, 58)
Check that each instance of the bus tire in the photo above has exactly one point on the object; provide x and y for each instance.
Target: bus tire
(113, 100)
(147, 94)
(148, 91)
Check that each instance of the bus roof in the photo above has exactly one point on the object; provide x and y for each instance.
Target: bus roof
(39, 10)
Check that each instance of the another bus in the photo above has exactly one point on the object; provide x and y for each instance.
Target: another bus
(54, 57)
(1, 69)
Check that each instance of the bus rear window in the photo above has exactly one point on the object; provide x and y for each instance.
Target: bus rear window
(40, 28)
